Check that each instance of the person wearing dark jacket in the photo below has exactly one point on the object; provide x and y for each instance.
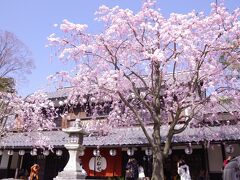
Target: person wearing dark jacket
(132, 169)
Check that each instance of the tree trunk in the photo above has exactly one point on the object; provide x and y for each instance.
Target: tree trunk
(157, 173)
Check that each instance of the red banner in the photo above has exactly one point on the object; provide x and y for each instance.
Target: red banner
(103, 165)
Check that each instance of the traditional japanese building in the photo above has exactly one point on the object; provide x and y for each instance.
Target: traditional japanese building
(106, 155)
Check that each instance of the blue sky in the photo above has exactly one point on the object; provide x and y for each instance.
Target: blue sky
(32, 21)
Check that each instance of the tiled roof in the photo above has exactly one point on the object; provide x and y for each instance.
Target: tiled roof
(27, 139)
(120, 137)
(59, 93)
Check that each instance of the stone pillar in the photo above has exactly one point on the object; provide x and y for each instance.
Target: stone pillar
(73, 170)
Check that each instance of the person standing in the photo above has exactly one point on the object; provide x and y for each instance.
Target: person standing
(34, 172)
(132, 169)
(183, 170)
(141, 174)
(232, 169)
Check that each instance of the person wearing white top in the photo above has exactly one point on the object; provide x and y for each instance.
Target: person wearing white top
(183, 170)
(141, 174)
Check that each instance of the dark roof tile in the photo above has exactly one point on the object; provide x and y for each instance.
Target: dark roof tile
(120, 137)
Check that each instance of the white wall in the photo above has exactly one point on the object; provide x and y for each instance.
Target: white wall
(215, 158)
(14, 161)
(4, 161)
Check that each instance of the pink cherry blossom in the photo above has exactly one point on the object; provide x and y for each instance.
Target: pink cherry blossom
(184, 63)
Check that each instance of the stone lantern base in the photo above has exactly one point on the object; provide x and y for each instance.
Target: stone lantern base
(73, 170)
(73, 175)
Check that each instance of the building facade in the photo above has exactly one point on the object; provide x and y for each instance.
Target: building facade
(106, 155)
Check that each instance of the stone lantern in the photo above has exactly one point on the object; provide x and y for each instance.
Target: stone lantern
(73, 169)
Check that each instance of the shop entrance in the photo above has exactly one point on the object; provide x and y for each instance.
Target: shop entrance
(195, 161)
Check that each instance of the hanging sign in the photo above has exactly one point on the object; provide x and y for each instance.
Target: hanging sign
(98, 164)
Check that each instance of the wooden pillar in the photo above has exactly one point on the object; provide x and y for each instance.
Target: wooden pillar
(205, 150)
(9, 165)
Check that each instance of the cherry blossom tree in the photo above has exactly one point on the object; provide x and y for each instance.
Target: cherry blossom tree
(155, 71)
(17, 113)
(33, 113)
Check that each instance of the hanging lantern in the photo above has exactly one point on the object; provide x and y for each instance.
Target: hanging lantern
(46, 152)
(96, 152)
(81, 152)
(170, 151)
(10, 152)
(229, 149)
(1, 152)
(130, 152)
(59, 152)
(148, 151)
(113, 152)
(188, 150)
(33, 152)
(21, 152)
